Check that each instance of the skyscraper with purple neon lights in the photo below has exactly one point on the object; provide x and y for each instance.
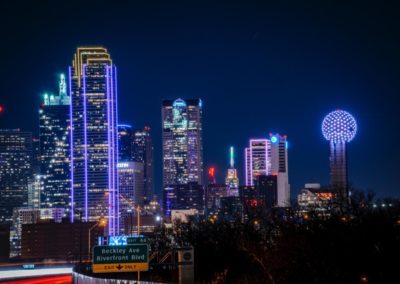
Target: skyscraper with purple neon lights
(269, 157)
(94, 137)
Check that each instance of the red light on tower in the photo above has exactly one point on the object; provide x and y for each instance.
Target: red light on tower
(1, 108)
(211, 172)
(211, 175)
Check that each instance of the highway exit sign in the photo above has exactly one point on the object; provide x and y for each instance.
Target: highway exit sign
(136, 240)
(127, 258)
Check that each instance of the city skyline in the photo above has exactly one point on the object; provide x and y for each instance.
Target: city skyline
(340, 82)
(199, 141)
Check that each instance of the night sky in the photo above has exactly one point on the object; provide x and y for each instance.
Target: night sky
(259, 68)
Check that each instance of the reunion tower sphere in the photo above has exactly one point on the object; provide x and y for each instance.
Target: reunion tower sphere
(339, 126)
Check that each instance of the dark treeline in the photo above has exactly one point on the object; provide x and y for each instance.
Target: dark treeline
(361, 245)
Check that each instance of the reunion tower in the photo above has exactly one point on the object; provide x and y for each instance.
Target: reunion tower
(339, 127)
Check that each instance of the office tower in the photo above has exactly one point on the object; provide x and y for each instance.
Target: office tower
(214, 192)
(268, 188)
(257, 159)
(184, 197)
(55, 148)
(279, 168)
(339, 127)
(131, 189)
(182, 145)
(15, 170)
(232, 180)
(143, 152)
(94, 136)
(213, 195)
(182, 141)
(253, 201)
(36, 161)
(266, 157)
(131, 183)
(125, 143)
(35, 189)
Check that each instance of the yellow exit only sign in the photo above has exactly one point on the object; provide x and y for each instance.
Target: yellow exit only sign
(120, 267)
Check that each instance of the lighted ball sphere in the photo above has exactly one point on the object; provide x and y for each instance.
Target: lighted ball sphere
(339, 126)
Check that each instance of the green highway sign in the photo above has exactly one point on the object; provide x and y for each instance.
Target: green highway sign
(120, 258)
(136, 240)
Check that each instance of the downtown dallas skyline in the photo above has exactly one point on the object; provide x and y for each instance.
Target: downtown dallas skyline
(222, 164)
(270, 67)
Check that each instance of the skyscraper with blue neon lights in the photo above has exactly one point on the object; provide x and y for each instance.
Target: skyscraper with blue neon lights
(94, 136)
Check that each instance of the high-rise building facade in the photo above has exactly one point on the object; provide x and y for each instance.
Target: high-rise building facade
(36, 155)
(279, 168)
(94, 136)
(135, 145)
(131, 183)
(265, 157)
(54, 123)
(184, 197)
(15, 170)
(232, 180)
(143, 152)
(131, 189)
(35, 188)
(182, 146)
(125, 143)
(257, 159)
(182, 141)
(213, 195)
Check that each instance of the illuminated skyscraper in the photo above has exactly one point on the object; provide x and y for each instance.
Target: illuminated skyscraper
(94, 137)
(55, 148)
(214, 193)
(257, 159)
(279, 168)
(36, 155)
(136, 146)
(15, 170)
(339, 127)
(131, 188)
(125, 142)
(35, 189)
(143, 152)
(232, 180)
(265, 157)
(182, 142)
(131, 183)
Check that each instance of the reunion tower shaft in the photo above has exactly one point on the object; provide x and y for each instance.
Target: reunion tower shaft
(338, 166)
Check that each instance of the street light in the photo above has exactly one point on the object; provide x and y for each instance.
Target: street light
(102, 223)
